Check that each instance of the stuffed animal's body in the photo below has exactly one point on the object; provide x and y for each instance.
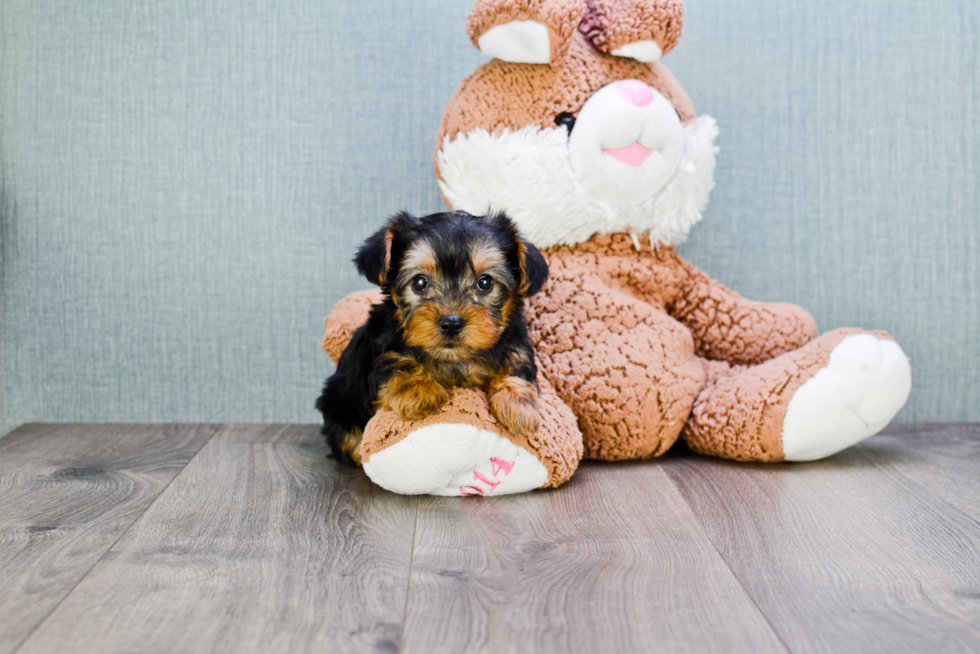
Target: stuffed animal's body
(587, 141)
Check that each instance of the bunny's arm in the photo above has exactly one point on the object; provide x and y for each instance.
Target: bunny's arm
(731, 328)
(344, 319)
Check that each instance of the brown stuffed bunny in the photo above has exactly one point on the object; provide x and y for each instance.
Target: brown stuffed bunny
(580, 134)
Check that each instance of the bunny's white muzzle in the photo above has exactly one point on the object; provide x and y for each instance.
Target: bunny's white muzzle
(629, 165)
(627, 144)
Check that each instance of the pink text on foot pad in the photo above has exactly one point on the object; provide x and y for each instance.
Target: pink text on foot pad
(499, 464)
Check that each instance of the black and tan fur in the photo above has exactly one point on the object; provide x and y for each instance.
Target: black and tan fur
(452, 316)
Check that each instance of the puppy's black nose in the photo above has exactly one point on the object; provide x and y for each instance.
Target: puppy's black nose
(451, 325)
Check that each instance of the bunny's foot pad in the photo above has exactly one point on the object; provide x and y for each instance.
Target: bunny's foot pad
(863, 386)
(455, 459)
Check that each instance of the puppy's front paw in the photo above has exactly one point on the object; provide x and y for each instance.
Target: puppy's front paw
(411, 397)
(514, 402)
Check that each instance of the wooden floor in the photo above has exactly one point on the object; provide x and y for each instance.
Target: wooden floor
(247, 539)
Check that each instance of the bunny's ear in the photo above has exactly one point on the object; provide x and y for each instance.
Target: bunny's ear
(524, 31)
(644, 30)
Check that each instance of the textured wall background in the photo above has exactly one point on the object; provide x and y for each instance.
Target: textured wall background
(182, 184)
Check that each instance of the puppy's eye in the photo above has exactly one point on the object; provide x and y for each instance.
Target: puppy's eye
(485, 283)
(566, 120)
(419, 283)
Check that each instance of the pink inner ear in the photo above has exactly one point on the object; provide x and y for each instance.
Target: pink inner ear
(631, 155)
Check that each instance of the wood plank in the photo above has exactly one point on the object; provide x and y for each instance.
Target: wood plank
(67, 493)
(943, 458)
(844, 554)
(612, 562)
(262, 544)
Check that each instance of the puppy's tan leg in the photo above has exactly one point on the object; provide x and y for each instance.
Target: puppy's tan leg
(514, 401)
(412, 393)
(351, 445)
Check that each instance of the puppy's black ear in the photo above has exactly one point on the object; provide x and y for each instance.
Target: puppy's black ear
(531, 266)
(373, 259)
(534, 269)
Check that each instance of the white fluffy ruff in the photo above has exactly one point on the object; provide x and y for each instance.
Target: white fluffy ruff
(527, 174)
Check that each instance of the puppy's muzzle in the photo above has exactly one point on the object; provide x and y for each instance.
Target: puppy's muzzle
(452, 325)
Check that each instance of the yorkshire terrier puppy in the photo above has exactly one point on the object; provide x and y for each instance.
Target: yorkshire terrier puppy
(452, 316)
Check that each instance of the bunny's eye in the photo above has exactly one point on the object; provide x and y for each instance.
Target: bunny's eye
(566, 120)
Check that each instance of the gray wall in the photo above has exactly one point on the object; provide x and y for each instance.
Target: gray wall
(183, 184)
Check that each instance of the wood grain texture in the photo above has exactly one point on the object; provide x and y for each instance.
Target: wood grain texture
(944, 459)
(612, 562)
(67, 493)
(261, 545)
(846, 554)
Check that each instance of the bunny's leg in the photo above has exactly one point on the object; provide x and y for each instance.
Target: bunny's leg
(462, 450)
(807, 404)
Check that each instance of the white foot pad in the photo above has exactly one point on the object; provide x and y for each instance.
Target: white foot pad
(863, 386)
(454, 459)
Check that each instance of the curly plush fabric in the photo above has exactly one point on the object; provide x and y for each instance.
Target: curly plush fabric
(617, 338)
(560, 17)
(505, 96)
(730, 328)
(740, 414)
(348, 314)
(611, 24)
